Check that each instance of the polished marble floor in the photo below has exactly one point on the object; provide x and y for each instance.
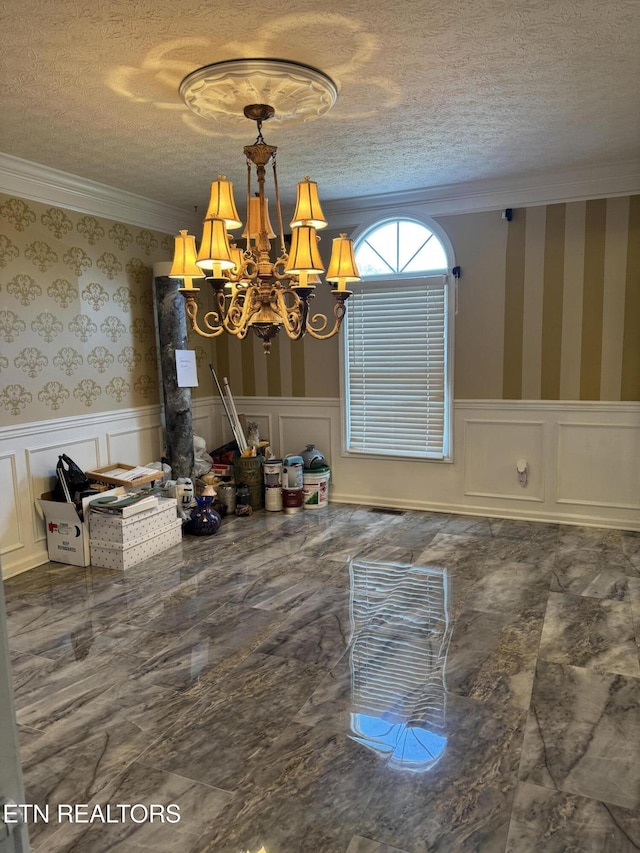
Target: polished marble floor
(340, 681)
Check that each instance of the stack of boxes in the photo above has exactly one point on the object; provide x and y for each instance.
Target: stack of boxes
(120, 539)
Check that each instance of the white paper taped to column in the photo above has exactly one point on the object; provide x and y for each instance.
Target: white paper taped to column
(186, 370)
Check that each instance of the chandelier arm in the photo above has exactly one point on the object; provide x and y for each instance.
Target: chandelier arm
(339, 310)
(242, 271)
(294, 316)
(317, 333)
(211, 330)
(250, 267)
(239, 328)
(225, 305)
(242, 307)
(280, 270)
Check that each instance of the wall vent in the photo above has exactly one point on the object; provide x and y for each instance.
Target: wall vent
(386, 510)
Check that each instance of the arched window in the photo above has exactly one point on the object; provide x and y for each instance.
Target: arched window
(398, 343)
(400, 246)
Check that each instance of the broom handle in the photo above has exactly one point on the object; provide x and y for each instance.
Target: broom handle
(226, 408)
(242, 441)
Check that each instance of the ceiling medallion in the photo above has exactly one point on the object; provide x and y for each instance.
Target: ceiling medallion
(294, 90)
(252, 291)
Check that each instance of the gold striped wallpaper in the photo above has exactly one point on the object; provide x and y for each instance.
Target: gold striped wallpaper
(292, 369)
(549, 309)
(572, 302)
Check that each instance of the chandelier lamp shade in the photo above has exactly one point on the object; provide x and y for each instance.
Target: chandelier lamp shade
(254, 287)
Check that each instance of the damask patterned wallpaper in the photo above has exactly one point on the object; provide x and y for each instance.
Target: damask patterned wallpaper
(76, 314)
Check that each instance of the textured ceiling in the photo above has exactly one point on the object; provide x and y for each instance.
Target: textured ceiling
(431, 92)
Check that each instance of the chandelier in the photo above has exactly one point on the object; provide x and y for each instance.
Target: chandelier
(254, 287)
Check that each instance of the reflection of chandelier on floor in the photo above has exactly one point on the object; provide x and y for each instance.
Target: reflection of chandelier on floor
(251, 291)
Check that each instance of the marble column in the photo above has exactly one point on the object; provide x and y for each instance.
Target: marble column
(171, 329)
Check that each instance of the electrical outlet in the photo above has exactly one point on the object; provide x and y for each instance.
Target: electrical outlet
(522, 471)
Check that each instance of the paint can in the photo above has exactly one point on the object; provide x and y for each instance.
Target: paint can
(292, 469)
(292, 500)
(272, 473)
(227, 496)
(316, 488)
(273, 499)
(273, 485)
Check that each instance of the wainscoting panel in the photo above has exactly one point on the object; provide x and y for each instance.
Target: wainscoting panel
(296, 431)
(12, 530)
(205, 417)
(138, 443)
(223, 429)
(28, 458)
(583, 460)
(492, 449)
(599, 465)
(489, 437)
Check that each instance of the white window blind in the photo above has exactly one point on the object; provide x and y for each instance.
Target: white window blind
(395, 367)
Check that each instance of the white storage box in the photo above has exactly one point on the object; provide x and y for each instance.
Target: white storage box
(109, 555)
(67, 536)
(112, 528)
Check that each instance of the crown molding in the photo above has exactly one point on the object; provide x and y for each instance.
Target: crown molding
(33, 181)
(50, 186)
(493, 194)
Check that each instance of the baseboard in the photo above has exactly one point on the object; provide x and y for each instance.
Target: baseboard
(574, 519)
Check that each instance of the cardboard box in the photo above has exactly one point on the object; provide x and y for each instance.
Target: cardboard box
(117, 530)
(221, 470)
(67, 535)
(109, 555)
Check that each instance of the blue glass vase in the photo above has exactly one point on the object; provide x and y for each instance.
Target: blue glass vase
(204, 520)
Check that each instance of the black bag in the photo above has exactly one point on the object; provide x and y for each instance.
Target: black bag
(72, 480)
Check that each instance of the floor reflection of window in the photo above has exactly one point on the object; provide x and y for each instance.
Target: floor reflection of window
(400, 625)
